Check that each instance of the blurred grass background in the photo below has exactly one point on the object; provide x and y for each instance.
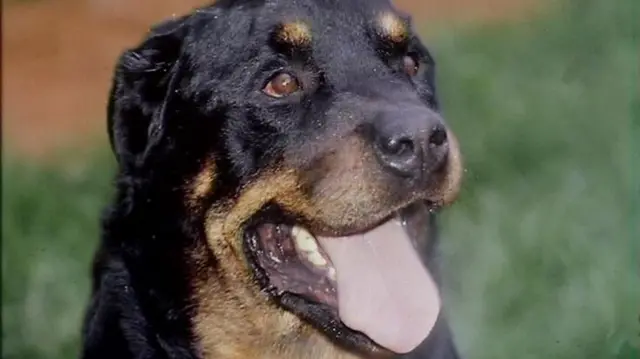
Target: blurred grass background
(541, 251)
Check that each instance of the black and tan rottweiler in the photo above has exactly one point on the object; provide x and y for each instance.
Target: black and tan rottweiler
(279, 163)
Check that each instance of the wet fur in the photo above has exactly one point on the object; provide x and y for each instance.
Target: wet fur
(170, 279)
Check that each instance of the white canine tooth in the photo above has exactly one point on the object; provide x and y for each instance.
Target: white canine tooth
(307, 245)
(316, 259)
(304, 240)
(331, 273)
(274, 258)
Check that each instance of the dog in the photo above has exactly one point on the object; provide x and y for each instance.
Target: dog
(280, 164)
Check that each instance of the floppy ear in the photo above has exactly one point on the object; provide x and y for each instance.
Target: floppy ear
(143, 80)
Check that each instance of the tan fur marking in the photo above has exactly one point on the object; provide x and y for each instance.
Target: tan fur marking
(285, 186)
(202, 185)
(295, 33)
(350, 188)
(393, 27)
(452, 182)
(233, 319)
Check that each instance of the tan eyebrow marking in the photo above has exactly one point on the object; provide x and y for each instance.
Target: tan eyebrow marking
(296, 33)
(392, 27)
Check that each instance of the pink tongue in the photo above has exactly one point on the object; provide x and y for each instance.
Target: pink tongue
(384, 290)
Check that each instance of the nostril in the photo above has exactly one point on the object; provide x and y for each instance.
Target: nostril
(438, 137)
(398, 146)
(399, 154)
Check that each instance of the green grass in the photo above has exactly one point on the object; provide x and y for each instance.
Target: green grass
(49, 229)
(542, 250)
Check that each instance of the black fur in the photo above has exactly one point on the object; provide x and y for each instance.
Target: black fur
(189, 90)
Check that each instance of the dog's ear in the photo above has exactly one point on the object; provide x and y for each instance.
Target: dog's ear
(143, 80)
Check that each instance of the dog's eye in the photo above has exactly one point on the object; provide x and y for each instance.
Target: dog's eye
(411, 66)
(282, 84)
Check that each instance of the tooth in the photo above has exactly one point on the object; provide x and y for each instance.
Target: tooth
(316, 259)
(308, 246)
(331, 273)
(304, 239)
(274, 258)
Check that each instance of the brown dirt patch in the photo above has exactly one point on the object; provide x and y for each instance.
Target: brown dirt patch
(58, 58)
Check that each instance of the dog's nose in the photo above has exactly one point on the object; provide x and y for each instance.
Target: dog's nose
(411, 147)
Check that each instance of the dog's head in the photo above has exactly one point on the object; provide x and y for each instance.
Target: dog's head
(305, 140)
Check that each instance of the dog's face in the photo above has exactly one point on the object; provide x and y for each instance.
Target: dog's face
(305, 140)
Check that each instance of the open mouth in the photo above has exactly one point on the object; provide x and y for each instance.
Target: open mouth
(373, 282)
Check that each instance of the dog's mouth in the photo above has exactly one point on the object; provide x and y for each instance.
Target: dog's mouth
(373, 282)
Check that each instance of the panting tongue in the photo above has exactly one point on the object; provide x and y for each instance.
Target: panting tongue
(384, 290)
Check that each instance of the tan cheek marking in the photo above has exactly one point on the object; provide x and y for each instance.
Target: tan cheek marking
(295, 33)
(232, 319)
(453, 179)
(282, 185)
(350, 188)
(202, 185)
(392, 27)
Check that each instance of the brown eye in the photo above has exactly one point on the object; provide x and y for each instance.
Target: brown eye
(411, 66)
(283, 84)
